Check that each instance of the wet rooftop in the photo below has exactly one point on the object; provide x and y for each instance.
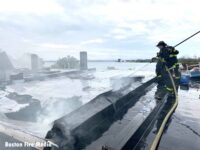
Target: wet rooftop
(182, 131)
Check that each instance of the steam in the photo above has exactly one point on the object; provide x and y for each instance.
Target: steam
(121, 82)
(55, 109)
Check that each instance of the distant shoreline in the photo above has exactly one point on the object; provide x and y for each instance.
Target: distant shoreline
(52, 61)
(183, 60)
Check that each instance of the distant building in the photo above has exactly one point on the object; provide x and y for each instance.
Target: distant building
(34, 62)
(28, 61)
(6, 67)
(83, 61)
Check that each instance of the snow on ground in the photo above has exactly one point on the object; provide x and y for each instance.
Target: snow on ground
(60, 96)
(63, 87)
(7, 105)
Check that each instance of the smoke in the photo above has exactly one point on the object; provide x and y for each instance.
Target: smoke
(120, 82)
(57, 108)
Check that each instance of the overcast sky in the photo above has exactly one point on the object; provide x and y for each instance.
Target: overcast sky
(107, 29)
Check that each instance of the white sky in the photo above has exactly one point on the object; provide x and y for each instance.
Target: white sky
(107, 29)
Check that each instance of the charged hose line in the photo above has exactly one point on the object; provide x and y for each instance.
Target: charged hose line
(173, 46)
(160, 132)
(187, 39)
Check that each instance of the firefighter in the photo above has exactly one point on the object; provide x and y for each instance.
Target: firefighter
(173, 65)
(160, 72)
(168, 57)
